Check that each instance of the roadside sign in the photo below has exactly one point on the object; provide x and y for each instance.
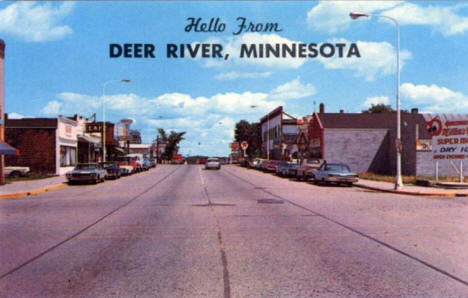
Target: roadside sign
(244, 145)
(449, 134)
(234, 146)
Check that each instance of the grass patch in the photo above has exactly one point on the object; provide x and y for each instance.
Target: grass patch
(385, 178)
(407, 179)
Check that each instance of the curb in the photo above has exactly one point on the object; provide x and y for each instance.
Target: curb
(32, 192)
(410, 193)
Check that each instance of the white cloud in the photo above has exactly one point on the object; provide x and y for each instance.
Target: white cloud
(52, 108)
(207, 119)
(435, 99)
(376, 100)
(14, 115)
(333, 17)
(35, 21)
(234, 75)
(377, 58)
(292, 90)
(443, 19)
(429, 94)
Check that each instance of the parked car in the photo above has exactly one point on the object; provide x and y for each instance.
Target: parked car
(125, 170)
(16, 171)
(89, 172)
(334, 172)
(146, 164)
(292, 169)
(112, 169)
(270, 165)
(306, 167)
(139, 159)
(153, 162)
(256, 163)
(127, 163)
(212, 163)
(282, 169)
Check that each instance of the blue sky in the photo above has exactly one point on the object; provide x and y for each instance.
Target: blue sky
(57, 60)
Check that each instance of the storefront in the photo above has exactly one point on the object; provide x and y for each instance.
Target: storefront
(67, 144)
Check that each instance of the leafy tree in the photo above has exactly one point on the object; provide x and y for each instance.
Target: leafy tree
(379, 108)
(172, 142)
(250, 132)
(382, 108)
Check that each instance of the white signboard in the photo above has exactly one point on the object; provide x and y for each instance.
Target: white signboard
(449, 135)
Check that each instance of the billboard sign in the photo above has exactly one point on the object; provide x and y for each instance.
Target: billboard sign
(449, 135)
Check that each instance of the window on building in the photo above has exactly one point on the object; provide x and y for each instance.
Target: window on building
(67, 156)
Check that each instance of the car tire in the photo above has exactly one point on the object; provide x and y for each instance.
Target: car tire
(14, 174)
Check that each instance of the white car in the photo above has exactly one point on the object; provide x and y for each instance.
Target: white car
(16, 171)
(126, 170)
(213, 163)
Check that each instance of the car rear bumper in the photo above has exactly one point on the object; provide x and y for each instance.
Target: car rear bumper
(342, 179)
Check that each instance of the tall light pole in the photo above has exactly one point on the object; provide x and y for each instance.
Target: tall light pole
(398, 143)
(104, 114)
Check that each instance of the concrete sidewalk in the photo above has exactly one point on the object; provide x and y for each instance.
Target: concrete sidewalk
(411, 189)
(25, 188)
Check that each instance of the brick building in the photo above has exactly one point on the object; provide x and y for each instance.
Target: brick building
(366, 142)
(56, 145)
(47, 145)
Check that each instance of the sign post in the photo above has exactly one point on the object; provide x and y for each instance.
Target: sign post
(244, 146)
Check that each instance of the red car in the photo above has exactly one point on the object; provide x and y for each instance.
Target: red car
(270, 165)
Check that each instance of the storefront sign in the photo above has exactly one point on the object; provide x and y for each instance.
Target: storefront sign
(449, 135)
(93, 127)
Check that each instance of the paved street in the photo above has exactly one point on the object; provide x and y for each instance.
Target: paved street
(181, 231)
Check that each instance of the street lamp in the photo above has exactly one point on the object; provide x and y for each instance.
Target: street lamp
(104, 115)
(398, 178)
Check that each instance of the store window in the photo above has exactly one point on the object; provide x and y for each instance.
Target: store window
(67, 156)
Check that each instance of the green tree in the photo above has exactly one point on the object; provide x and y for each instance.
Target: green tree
(250, 132)
(172, 142)
(379, 108)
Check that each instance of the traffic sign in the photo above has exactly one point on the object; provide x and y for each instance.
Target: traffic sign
(244, 145)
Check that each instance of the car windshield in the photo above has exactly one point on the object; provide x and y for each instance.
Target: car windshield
(212, 159)
(86, 167)
(337, 168)
(108, 165)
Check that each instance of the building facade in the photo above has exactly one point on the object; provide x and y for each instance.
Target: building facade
(279, 132)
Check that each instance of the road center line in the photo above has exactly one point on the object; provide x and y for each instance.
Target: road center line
(227, 283)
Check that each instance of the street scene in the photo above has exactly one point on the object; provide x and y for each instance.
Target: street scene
(233, 149)
(182, 231)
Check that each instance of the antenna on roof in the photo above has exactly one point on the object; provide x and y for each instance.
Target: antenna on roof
(315, 104)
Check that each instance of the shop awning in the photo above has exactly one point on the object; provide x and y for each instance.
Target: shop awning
(121, 150)
(6, 149)
(89, 139)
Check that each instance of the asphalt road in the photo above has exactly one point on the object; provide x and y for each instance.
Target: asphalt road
(181, 231)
